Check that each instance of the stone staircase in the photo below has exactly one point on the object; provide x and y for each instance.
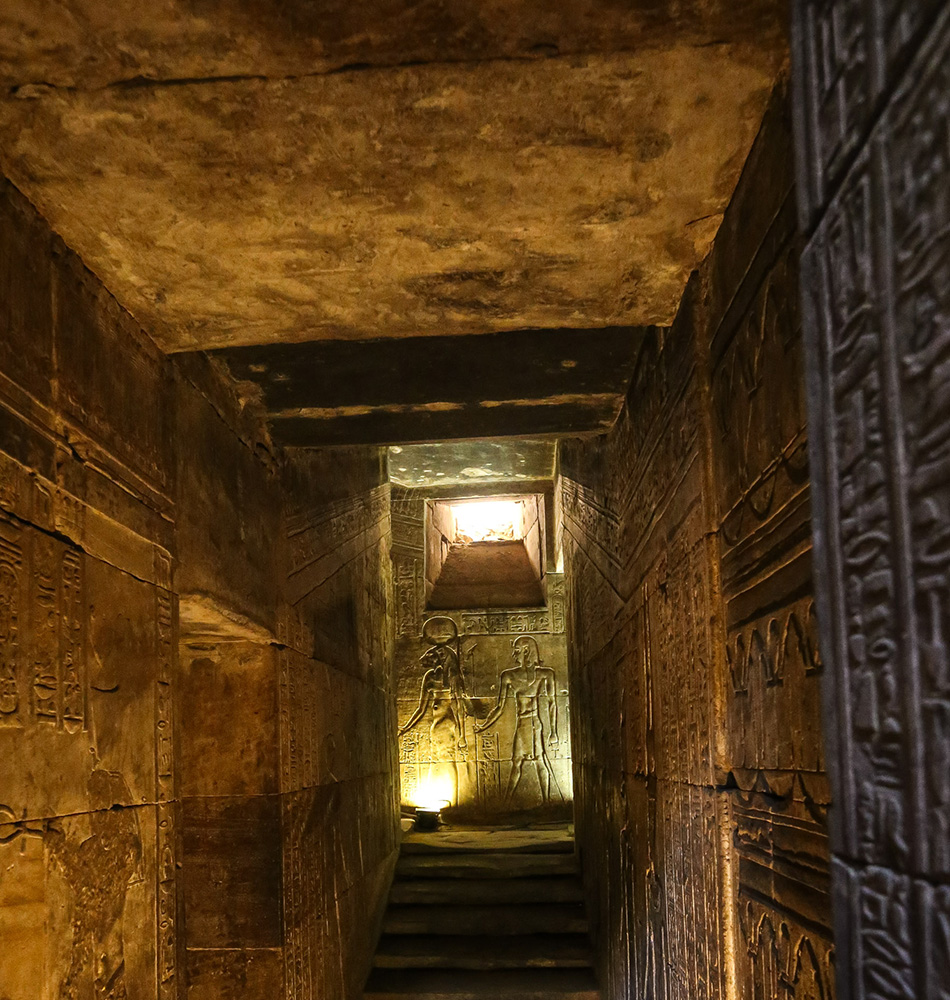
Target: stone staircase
(485, 913)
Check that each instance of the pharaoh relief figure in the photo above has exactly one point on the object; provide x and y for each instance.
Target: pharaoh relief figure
(531, 687)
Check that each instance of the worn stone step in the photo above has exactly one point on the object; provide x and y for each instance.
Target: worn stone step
(477, 951)
(557, 889)
(485, 865)
(506, 841)
(504, 984)
(525, 918)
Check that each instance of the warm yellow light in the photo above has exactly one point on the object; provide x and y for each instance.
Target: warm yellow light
(434, 792)
(488, 521)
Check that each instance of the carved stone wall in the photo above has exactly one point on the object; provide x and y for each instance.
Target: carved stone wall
(482, 693)
(873, 118)
(89, 817)
(196, 692)
(339, 792)
(686, 533)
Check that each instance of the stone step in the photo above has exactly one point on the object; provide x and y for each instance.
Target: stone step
(525, 918)
(522, 951)
(557, 889)
(507, 841)
(485, 865)
(505, 984)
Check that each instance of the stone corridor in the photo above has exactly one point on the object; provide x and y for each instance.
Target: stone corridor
(532, 413)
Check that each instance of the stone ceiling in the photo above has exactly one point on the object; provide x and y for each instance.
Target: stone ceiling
(266, 173)
(475, 464)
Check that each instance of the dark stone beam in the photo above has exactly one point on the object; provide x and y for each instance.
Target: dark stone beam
(394, 391)
(419, 425)
(416, 371)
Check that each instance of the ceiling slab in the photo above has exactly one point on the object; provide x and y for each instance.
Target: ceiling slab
(472, 463)
(420, 389)
(425, 200)
(91, 44)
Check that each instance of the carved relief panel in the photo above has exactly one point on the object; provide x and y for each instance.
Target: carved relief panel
(88, 830)
(875, 294)
(483, 709)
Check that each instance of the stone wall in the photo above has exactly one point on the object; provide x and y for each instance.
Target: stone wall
(686, 536)
(449, 741)
(191, 624)
(873, 115)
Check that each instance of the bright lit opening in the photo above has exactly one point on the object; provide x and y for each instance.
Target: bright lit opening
(434, 792)
(487, 521)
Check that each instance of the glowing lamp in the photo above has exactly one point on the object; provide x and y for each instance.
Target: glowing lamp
(432, 796)
(428, 818)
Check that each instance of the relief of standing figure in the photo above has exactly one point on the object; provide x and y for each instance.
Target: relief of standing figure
(443, 699)
(531, 686)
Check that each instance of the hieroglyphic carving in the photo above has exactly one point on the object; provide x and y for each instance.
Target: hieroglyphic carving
(287, 764)
(469, 651)
(769, 649)
(556, 603)
(294, 931)
(313, 534)
(10, 489)
(782, 958)
(919, 166)
(864, 596)
(504, 622)
(11, 563)
(408, 520)
(836, 47)
(72, 647)
(43, 662)
(46, 610)
(754, 411)
(166, 896)
(409, 759)
(877, 300)
(408, 588)
(489, 768)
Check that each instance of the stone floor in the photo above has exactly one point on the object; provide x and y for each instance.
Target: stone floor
(485, 912)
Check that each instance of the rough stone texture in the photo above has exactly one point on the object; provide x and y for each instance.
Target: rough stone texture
(443, 746)
(152, 812)
(436, 198)
(687, 551)
(70, 43)
(873, 107)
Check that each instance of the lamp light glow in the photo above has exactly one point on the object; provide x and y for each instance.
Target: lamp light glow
(434, 792)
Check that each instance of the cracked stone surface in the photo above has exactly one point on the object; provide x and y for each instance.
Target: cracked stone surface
(281, 203)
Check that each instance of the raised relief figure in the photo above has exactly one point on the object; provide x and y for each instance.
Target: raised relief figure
(443, 698)
(443, 693)
(531, 686)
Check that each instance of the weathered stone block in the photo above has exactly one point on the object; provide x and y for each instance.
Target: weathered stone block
(231, 871)
(228, 720)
